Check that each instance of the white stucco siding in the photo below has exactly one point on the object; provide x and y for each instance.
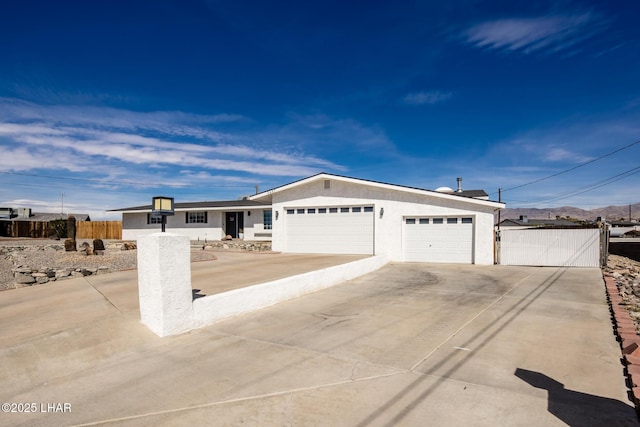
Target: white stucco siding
(254, 226)
(396, 204)
(135, 225)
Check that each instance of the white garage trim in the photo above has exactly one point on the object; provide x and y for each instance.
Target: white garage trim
(438, 239)
(330, 229)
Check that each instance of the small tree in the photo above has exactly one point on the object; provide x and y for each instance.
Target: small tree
(59, 227)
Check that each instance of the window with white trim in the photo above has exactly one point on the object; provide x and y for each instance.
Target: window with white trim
(197, 217)
(153, 219)
(267, 217)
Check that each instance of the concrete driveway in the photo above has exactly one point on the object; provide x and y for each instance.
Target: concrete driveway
(411, 344)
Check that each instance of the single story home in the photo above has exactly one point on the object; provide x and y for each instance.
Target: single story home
(328, 213)
(240, 219)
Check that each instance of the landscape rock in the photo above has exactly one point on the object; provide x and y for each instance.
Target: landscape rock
(70, 245)
(24, 279)
(98, 245)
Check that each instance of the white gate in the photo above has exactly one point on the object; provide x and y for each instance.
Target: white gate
(551, 247)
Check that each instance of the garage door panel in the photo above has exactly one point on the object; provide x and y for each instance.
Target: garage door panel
(341, 232)
(446, 242)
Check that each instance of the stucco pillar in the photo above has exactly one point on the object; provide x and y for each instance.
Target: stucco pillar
(164, 283)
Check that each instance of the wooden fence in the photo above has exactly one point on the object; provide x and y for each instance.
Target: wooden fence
(111, 230)
(99, 230)
(35, 229)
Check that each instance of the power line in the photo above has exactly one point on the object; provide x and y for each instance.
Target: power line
(572, 168)
(590, 187)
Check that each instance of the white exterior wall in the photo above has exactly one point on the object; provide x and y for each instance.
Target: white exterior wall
(396, 204)
(253, 225)
(134, 225)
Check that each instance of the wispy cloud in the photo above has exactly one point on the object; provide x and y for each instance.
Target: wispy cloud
(118, 153)
(90, 136)
(547, 33)
(422, 98)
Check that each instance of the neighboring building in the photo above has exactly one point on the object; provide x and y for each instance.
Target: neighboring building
(328, 213)
(624, 229)
(22, 222)
(524, 222)
(244, 219)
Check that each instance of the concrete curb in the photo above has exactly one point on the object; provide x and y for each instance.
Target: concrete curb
(625, 329)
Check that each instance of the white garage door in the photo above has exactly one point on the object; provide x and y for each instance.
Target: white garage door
(329, 230)
(438, 239)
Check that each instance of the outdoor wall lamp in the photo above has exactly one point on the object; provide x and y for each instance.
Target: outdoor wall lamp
(277, 215)
(381, 212)
(162, 207)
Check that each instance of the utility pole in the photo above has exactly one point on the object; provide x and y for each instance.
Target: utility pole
(62, 203)
(500, 210)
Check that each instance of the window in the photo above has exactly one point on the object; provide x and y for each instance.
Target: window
(322, 210)
(196, 217)
(343, 210)
(300, 211)
(452, 220)
(438, 221)
(266, 220)
(311, 211)
(151, 219)
(467, 220)
(333, 210)
(424, 220)
(368, 208)
(290, 211)
(356, 210)
(411, 220)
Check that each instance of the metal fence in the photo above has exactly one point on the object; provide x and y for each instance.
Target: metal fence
(585, 247)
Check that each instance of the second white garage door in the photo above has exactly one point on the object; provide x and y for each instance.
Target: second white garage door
(329, 230)
(438, 239)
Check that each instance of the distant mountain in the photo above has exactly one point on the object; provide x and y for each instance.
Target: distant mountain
(610, 213)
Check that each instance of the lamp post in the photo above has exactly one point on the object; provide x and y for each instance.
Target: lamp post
(162, 207)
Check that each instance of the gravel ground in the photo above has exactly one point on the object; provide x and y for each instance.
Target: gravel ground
(626, 273)
(54, 256)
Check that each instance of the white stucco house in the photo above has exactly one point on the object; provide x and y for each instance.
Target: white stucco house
(247, 219)
(335, 214)
(328, 213)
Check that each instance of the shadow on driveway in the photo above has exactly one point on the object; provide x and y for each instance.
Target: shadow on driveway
(563, 403)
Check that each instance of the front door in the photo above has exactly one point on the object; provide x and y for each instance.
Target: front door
(234, 224)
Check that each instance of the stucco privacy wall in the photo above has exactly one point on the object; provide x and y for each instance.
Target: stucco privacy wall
(165, 292)
(222, 306)
(397, 204)
(134, 225)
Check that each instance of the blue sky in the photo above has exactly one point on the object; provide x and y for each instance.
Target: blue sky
(110, 103)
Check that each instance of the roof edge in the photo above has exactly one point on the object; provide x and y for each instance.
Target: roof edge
(416, 190)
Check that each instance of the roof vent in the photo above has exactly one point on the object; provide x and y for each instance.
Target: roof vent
(459, 190)
(445, 190)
